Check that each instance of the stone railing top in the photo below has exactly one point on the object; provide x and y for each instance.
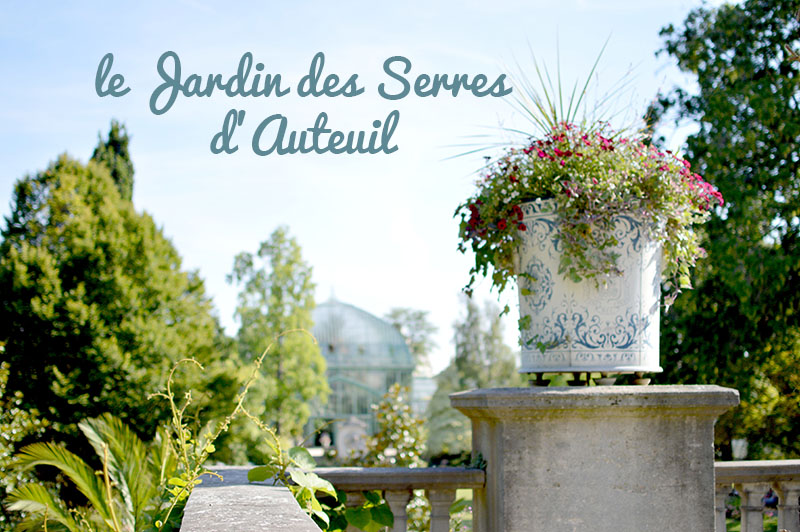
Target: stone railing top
(757, 471)
(238, 505)
(401, 478)
(502, 402)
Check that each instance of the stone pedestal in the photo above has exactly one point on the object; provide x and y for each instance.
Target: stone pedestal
(599, 459)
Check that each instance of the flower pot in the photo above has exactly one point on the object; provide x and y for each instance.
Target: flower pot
(611, 328)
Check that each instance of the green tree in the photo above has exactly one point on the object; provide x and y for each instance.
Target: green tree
(482, 360)
(277, 295)
(113, 152)
(418, 332)
(96, 306)
(743, 312)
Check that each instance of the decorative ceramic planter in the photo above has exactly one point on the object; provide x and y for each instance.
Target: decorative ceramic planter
(585, 328)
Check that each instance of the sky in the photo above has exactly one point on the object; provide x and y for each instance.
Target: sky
(378, 229)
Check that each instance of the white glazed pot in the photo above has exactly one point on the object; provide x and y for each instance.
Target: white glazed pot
(585, 328)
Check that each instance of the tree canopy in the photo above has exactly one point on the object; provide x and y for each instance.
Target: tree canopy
(482, 360)
(97, 308)
(417, 330)
(277, 296)
(739, 326)
(114, 153)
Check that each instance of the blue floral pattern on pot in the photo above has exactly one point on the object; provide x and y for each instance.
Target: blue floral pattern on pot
(580, 326)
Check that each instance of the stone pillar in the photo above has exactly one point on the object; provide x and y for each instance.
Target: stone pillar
(603, 458)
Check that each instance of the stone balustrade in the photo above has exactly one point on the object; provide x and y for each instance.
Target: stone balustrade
(398, 483)
(752, 479)
(235, 504)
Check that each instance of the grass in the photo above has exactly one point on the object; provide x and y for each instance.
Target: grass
(770, 524)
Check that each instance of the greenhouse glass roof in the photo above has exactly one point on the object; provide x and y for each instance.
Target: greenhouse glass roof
(352, 338)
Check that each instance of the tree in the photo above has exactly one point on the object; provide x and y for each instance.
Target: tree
(482, 360)
(113, 152)
(96, 306)
(743, 312)
(418, 332)
(277, 296)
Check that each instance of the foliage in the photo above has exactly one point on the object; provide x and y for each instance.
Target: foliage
(143, 487)
(542, 102)
(398, 441)
(97, 308)
(739, 326)
(418, 332)
(16, 425)
(592, 178)
(114, 153)
(482, 360)
(276, 296)
(127, 495)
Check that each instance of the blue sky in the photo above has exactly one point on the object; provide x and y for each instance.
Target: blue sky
(378, 229)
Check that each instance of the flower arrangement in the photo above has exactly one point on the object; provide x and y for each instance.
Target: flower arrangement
(592, 175)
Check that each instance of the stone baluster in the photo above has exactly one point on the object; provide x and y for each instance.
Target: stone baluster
(752, 507)
(720, 496)
(397, 501)
(440, 500)
(354, 500)
(788, 507)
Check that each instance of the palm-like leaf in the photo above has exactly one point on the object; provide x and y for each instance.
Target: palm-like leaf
(85, 479)
(126, 456)
(36, 500)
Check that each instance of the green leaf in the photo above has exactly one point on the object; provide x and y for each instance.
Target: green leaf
(301, 478)
(382, 515)
(303, 458)
(261, 473)
(358, 517)
(320, 484)
(322, 516)
(372, 496)
(459, 505)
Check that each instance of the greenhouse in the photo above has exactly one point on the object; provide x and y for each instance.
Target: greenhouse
(365, 355)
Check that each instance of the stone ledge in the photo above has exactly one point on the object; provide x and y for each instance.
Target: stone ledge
(707, 400)
(234, 504)
(401, 478)
(755, 471)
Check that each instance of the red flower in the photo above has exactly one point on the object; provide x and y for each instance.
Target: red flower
(522, 227)
(501, 225)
